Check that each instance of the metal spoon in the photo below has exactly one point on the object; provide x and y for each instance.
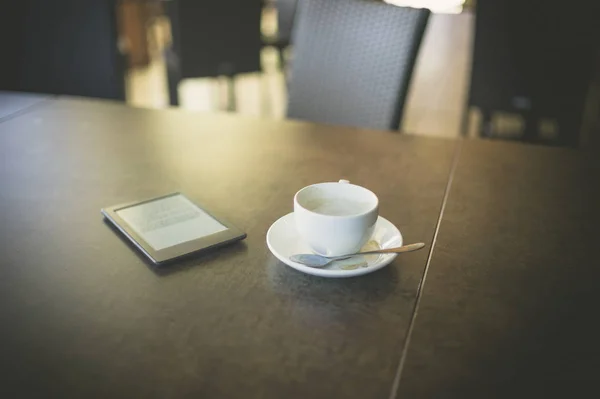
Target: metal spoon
(313, 260)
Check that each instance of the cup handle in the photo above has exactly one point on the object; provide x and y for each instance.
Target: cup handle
(343, 181)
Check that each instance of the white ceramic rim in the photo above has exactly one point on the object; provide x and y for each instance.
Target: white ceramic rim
(375, 207)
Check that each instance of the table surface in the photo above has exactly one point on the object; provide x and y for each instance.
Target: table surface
(510, 300)
(12, 102)
(84, 315)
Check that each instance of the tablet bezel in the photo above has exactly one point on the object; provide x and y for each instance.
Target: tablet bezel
(224, 237)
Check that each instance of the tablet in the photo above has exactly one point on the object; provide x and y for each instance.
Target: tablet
(170, 227)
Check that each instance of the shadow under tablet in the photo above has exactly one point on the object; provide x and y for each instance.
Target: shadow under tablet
(183, 262)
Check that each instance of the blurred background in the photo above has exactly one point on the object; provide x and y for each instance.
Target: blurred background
(502, 69)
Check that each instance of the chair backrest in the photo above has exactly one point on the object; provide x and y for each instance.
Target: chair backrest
(62, 47)
(217, 37)
(535, 59)
(286, 10)
(352, 61)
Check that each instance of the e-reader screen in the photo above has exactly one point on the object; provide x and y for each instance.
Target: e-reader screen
(171, 226)
(169, 221)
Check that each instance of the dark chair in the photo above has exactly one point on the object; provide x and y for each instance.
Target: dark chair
(61, 47)
(286, 11)
(353, 60)
(213, 38)
(533, 59)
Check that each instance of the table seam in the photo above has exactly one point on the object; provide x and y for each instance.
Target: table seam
(27, 109)
(453, 167)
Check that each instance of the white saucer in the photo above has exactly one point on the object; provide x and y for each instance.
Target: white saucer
(283, 241)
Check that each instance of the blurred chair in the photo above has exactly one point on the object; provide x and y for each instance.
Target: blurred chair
(286, 10)
(61, 47)
(211, 39)
(534, 60)
(353, 60)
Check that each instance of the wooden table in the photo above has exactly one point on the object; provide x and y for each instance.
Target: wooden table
(12, 102)
(510, 301)
(83, 315)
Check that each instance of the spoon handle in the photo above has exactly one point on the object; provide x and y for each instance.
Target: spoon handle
(397, 250)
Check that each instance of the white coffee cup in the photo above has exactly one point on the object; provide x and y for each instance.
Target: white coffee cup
(335, 218)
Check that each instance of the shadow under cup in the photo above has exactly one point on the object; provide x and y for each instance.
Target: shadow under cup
(335, 218)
